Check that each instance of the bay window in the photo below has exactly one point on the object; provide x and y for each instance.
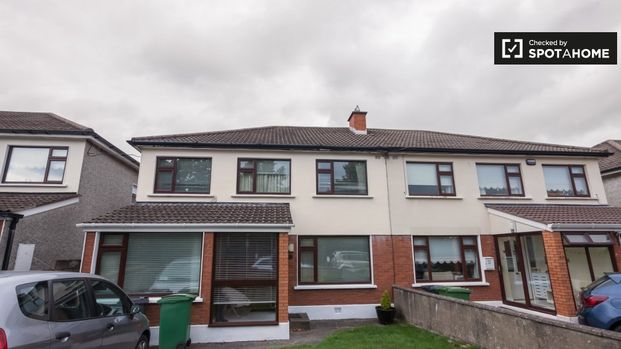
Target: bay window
(35, 165)
(334, 260)
(183, 175)
(342, 177)
(262, 176)
(245, 280)
(151, 263)
(500, 180)
(565, 180)
(435, 179)
(446, 258)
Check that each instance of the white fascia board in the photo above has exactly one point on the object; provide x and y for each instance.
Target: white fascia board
(517, 219)
(190, 227)
(48, 207)
(585, 227)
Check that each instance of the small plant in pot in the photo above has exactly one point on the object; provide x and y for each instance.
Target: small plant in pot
(385, 312)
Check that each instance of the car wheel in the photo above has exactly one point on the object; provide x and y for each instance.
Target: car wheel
(143, 342)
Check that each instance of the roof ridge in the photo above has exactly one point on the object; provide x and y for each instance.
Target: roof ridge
(201, 133)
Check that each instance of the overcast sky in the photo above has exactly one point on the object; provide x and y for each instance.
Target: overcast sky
(134, 68)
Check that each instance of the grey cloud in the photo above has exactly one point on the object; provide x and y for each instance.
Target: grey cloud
(153, 67)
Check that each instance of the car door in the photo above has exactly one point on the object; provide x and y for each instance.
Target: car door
(30, 329)
(72, 322)
(120, 329)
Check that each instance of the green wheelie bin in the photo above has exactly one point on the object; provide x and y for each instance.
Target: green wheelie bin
(456, 292)
(175, 311)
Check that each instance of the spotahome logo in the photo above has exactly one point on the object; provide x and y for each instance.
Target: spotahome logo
(555, 48)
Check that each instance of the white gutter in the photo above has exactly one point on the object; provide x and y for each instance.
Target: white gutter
(48, 207)
(185, 227)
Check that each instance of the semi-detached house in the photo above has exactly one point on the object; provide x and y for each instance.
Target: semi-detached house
(262, 222)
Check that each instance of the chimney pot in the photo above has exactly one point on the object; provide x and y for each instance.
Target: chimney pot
(358, 121)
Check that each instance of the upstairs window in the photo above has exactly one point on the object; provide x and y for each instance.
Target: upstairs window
(500, 180)
(36, 165)
(342, 177)
(261, 176)
(565, 181)
(435, 179)
(183, 175)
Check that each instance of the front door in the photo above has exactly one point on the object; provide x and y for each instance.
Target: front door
(524, 272)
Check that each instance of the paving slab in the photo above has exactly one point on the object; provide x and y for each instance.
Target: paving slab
(319, 330)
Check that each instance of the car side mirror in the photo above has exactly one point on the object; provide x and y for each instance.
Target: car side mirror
(135, 310)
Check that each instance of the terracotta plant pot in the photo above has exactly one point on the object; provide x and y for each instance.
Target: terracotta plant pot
(385, 317)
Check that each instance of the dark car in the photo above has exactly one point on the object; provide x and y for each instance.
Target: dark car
(600, 303)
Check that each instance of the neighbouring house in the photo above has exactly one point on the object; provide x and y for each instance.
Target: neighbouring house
(262, 222)
(610, 168)
(55, 174)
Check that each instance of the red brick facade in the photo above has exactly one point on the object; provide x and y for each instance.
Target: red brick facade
(559, 274)
(89, 247)
(491, 292)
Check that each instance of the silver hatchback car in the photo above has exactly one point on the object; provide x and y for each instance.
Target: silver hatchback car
(67, 310)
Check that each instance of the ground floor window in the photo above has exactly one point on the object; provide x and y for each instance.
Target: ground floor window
(245, 278)
(588, 256)
(334, 260)
(446, 258)
(151, 263)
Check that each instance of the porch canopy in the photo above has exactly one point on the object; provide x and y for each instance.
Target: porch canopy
(557, 217)
(197, 217)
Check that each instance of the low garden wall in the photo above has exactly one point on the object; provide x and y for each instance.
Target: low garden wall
(493, 327)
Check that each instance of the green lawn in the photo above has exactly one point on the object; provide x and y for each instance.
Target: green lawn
(398, 336)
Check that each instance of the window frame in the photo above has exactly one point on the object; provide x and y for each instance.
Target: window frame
(50, 158)
(332, 181)
(462, 250)
(439, 174)
(507, 175)
(253, 170)
(572, 177)
(591, 243)
(173, 171)
(218, 283)
(101, 248)
(314, 249)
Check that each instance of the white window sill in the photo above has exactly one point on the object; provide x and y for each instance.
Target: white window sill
(432, 197)
(271, 196)
(464, 283)
(572, 198)
(505, 198)
(153, 300)
(162, 195)
(334, 287)
(40, 185)
(342, 197)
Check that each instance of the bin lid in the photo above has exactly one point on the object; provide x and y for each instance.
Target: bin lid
(177, 298)
(458, 290)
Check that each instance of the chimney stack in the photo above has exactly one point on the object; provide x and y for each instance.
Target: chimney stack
(358, 121)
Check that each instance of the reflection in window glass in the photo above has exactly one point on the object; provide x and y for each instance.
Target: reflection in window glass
(558, 181)
(446, 263)
(492, 180)
(56, 171)
(109, 265)
(537, 276)
(27, 165)
(33, 300)
(422, 179)
(273, 176)
(339, 260)
(450, 258)
(421, 265)
(109, 301)
(70, 300)
(193, 175)
(350, 177)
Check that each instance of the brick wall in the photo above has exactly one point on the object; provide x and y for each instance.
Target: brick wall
(493, 291)
(283, 273)
(559, 274)
(89, 248)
